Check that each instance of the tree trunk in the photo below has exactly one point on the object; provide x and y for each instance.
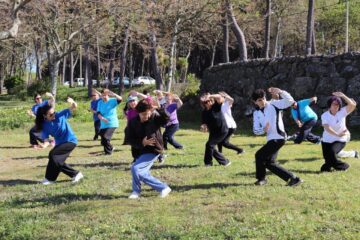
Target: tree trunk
(142, 66)
(1, 78)
(267, 29)
(276, 45)
(240, 37)
(213, 52)
(225, 26)
(131, 63)
(111, 65)
(98, 61)
(64, 70)
(88, 77)
(154, 60)
(123, 60)
(309, 27)
(72, 69)
(37, 45)
(12, 63)
(172, 56)
(80, 58)
(313, 43)
(54, 71)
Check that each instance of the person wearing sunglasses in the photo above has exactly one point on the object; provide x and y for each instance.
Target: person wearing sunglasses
(35, 136)
(95, 98)
(106, 111)
(213, 120)
(55, 124)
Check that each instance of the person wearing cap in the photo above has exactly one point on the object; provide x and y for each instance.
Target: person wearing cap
(107, 114)
(306, 119)
(95, 96)
(335, 133)
(35, 136)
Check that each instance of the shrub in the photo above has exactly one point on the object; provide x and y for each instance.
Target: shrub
(40, 86)
(12, 82)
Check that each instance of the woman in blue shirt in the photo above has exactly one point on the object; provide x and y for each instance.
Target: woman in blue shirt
(107, 114)
(55, 124)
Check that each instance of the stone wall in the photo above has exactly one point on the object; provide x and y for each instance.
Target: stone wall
(303, 77)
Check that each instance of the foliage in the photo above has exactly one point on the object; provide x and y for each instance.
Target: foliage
(41, 86)
(13, 83)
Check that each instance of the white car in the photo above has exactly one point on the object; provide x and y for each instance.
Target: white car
(78, 82)
(144, 80)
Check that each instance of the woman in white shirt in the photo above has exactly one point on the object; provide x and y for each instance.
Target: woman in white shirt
(230, 122)
(335, 133)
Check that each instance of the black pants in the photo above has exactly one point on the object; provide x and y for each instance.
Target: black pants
(266, 158)
(211, 151)
(106, 135)
(168, 136)
(226, 143)
(56, 164)
(35, 136)
(97, 129)
(329, 152)
(305, 133)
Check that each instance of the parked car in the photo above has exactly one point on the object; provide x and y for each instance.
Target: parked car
(94, 82)
(78, 82)
(143, 80)
(126, 81)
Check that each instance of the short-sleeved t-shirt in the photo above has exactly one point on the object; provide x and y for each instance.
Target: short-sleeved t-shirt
(59, 128)
(214, 119)
(337, 122)
(226, 110)
(172, 110)
(93, 106)
(306, 113)
(36, 107)
(108, 111)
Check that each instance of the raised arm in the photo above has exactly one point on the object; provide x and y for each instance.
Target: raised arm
(286, 101)
(217, 97)
(178, 101)
(112, 94)
(351, 104)
(73, 104)
(51, 98)
(227, 97)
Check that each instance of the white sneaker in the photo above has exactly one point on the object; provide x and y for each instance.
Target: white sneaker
(228, 164)
(134, 195)
(77, 178)
(165, 192)
(47, 182)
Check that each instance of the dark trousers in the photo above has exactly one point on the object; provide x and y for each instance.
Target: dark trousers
(35, 136)
(211, 151)
(106, 135)
(329, 152)
(226, 143)
(97, 129)
(266, 158)
(56, 164)
(305, 133)
(168, 136)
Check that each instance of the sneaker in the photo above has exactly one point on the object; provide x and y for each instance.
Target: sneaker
(242, 151)
(161, 158)
(228, 164)
(52, 143)
(295, 181)
(134, 195)
(261, 182)
(208, 165)
(165, 192)
(356, 154)
(47, 182)
(36, 146)
(77, 178)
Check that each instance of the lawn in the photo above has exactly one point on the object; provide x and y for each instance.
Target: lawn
(206, 202)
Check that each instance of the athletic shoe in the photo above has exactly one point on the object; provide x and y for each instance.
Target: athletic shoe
(295, 181)
(35, 146)
(165, 192)
(242, 151)
(261, 182)
(77, 178)
(161, 158)
(134, 195)
(356, 154)
(208, 165)
(47, 182)
(227, 164)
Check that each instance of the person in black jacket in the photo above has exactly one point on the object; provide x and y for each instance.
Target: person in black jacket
(145, 136)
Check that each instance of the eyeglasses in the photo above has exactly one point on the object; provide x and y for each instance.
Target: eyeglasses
(37, 98)
(51, 115)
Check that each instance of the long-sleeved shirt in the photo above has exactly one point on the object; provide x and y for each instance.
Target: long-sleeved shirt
(273, 116)
(138, 130)
(258, 122)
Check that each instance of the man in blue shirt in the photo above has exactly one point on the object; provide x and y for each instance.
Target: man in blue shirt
(108, 116)
(35, 136)
(95, 96)
(306, 119)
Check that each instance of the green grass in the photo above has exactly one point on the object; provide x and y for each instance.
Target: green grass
(206, 203)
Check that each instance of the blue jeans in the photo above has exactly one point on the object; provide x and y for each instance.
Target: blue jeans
(140, 171)
(168, 136)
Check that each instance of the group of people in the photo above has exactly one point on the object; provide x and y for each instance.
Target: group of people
(146, 116)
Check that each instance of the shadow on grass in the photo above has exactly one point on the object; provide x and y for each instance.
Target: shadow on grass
(61, 199)
(30, 158)
(101, 164)
(14, 147)
(170, 166)
(185, 188)
(306, 159)
(305, 171)
(14, 182)
(87, 146)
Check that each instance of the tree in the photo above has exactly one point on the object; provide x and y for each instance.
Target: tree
(267, 29)
(310, 35)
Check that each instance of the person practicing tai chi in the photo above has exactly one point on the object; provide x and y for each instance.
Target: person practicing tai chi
(275, 134)
(172, 104)
(55, 124)
(335, 133)
(306, 119)
(213, 121)
(230, 122)
(35, 136)
(145, 135)
(95, 98)
(107, 114)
